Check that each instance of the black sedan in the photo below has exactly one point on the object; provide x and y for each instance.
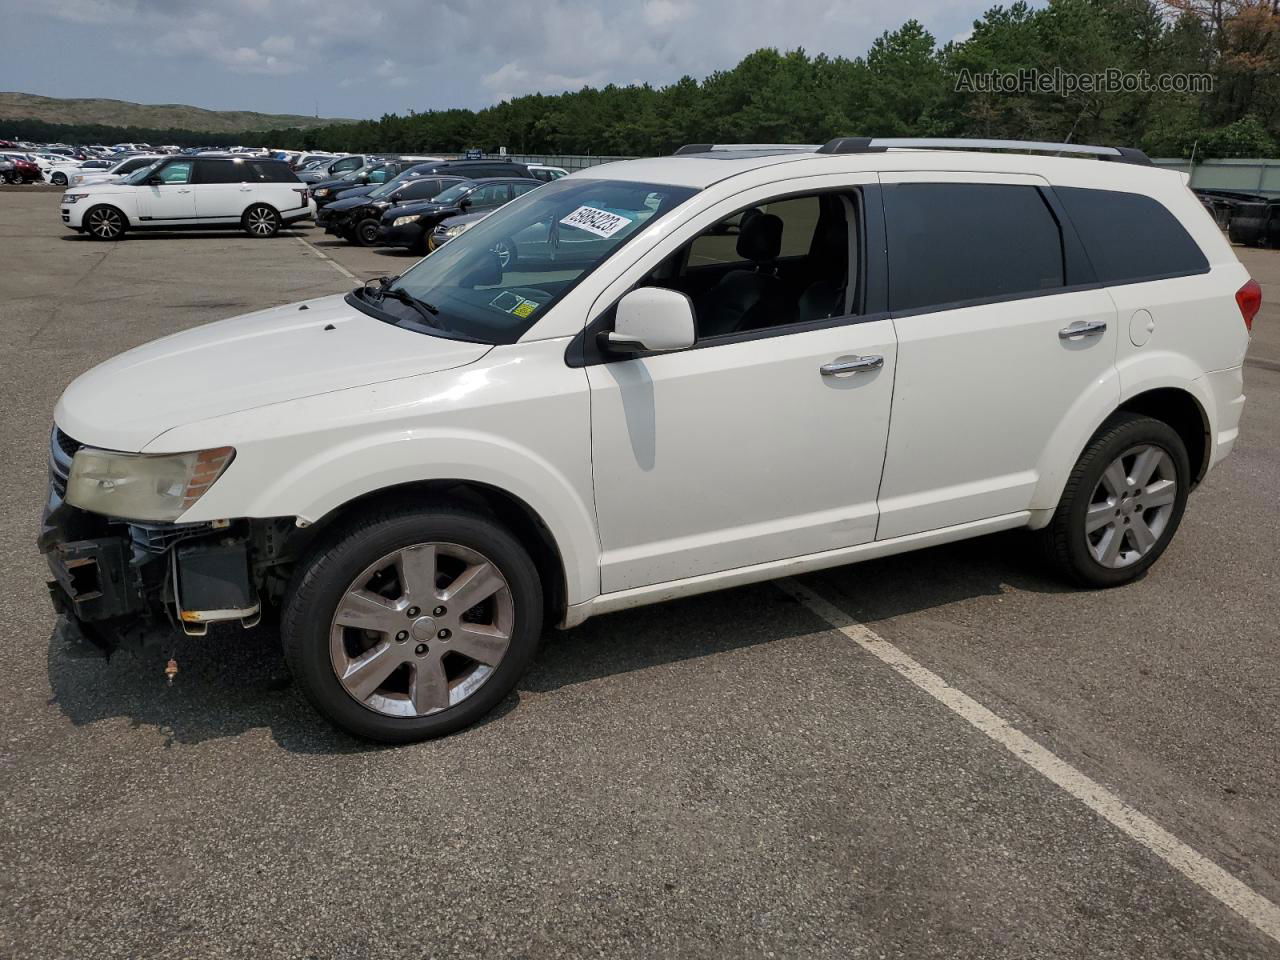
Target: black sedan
(356, 218)
(410, 224)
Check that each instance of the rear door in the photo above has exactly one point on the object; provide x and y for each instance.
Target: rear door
(221, 189)
(1005, 346)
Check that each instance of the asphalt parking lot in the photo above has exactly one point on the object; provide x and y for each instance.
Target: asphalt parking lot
(723, 776)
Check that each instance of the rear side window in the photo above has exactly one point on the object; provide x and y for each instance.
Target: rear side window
(271, 172)
(955, 242)
(1130, 237)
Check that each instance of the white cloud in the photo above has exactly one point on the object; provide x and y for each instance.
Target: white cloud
(660, 13)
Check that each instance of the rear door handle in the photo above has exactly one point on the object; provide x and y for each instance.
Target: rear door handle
(1082, 328)
(848, 366)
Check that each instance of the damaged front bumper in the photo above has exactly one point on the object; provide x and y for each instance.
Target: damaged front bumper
(123, 583)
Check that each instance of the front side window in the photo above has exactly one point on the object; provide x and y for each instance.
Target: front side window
(179, 172)
(774, 264)
(490, 287)
(345, 166)
(950, 243)
(493, 195)
(140, 174)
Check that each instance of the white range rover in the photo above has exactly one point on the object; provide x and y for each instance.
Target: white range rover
(254, 194)
(687, 373)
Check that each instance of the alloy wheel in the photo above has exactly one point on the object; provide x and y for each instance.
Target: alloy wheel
(421, 629)
(262, 222)
(503, 250)
(1131, 506)
(106, 223)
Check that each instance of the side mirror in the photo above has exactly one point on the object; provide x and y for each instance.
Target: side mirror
(650, 319)
(464, 203)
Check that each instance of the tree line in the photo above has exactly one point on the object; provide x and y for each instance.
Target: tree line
(906, 84)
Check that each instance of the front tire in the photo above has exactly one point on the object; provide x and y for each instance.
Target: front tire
(58, 179)
(105, 223)
(261, 221)
(365, 233)
(410, 623)
(1122, 504)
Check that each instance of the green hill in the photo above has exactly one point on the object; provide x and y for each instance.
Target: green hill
(159, 116)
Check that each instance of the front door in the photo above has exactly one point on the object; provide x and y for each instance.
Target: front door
(1004, 346)
(172, 198)
(766, 439)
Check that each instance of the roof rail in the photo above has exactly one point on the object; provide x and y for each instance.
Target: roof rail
(878, 144)
(717, 147)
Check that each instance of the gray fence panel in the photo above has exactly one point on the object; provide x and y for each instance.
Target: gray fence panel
(1243, 175)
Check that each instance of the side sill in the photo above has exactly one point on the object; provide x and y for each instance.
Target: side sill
(792, 566)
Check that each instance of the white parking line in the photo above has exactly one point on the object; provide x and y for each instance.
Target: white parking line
(1206, 874)
(325, 257)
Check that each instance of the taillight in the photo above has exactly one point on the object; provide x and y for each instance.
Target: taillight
(1249, 299)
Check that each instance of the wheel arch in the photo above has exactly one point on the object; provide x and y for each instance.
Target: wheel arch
(516, 515)
(1180, 409)
(1183, 404)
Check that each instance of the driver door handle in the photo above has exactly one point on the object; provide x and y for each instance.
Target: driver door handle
(848, 366)
(1082, 328)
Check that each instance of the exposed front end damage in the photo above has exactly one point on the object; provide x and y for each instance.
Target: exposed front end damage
(124, 583)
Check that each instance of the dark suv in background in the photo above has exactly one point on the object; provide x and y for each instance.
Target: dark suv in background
(410, 224)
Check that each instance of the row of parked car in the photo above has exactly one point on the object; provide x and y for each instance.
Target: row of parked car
(420, 204)
(412, 202)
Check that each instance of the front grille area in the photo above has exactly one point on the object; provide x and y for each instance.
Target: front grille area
(61, 449)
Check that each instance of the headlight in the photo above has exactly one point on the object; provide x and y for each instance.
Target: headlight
(322, 192)
(78, 178)
(403, 221)
(138, 486)
(448, 233)
(73, 197)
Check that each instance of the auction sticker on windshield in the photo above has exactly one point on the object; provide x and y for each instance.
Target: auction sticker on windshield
(600, 222)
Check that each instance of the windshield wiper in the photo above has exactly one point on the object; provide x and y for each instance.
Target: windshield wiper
(426, 310)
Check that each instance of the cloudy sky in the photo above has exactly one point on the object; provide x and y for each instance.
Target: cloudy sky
(362, 58)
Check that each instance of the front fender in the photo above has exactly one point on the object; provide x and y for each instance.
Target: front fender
(518, 421)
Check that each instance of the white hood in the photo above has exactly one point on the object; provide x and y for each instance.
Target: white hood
(275, 355)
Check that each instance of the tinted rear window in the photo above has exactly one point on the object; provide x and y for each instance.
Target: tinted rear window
(268, 171)
(952, 242)
(1129, 236)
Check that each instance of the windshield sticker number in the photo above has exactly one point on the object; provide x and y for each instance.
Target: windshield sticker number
(600, 222)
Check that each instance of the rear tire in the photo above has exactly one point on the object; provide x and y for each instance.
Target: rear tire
(261, 221)
(105, 223)
(1122, 503)
(365, 233)
(406, 672)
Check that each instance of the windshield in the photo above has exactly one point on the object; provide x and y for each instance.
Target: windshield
(140, 174)
(382, 189)
(494, 281)
(453, 194)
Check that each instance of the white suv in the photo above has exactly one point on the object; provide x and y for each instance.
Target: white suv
(254, 194)
(689, 373)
